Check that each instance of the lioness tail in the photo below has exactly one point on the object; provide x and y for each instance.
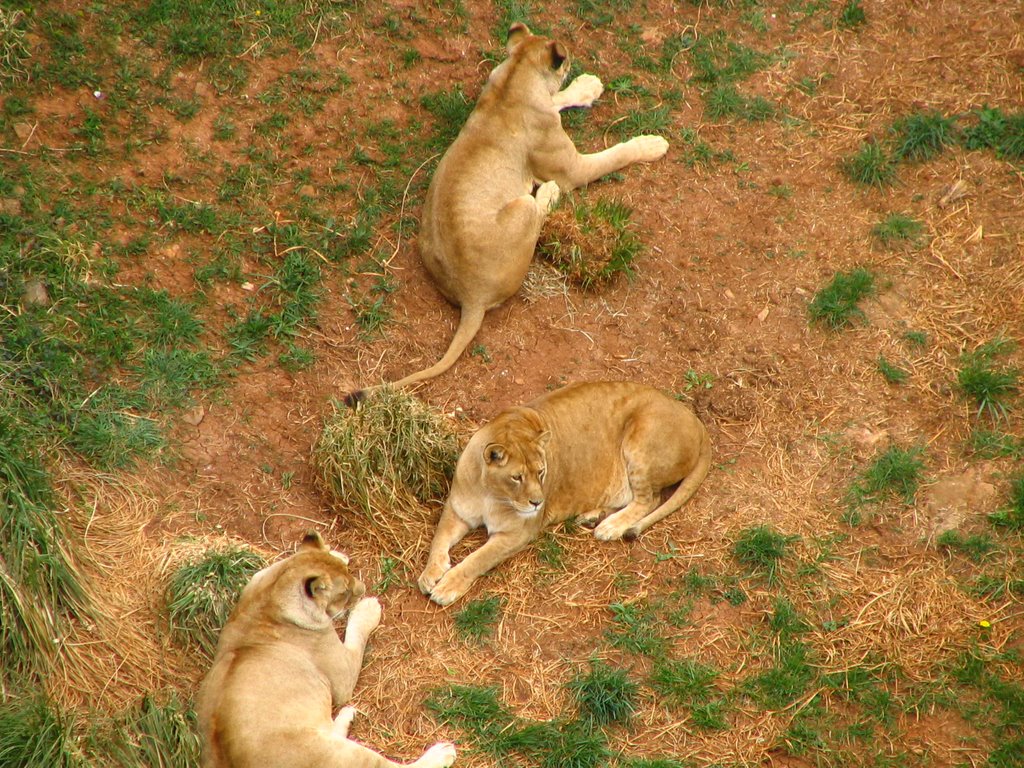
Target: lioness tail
(470, 320)
(681, 494)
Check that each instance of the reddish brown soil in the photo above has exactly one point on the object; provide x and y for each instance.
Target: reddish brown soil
(722, 289)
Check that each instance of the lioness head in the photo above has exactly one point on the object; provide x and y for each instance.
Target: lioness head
(514, 461)
(546, 56)
(310, 589)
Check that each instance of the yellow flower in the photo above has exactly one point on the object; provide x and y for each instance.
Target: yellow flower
(984, 623)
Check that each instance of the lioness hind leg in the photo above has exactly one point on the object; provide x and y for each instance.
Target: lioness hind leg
(343, 721)
(614, 526)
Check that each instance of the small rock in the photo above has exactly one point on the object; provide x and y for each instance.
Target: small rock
(23, 130)
(194, 416)
(307, 190)
(248, 286)
(35, 294)
(11, 206)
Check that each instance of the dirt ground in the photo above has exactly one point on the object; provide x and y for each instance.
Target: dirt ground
(721, 291)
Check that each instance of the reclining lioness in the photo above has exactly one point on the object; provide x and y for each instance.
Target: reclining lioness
(498, 180)
(601, 452)
(280, 671)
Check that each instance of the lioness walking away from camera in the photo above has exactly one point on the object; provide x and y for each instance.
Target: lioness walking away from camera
(498, 180)
(602, 452)
(280, 671)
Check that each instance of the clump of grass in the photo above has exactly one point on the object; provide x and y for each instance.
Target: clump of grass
(991, 387)
(1012, 515)
(34, 733)
(40, 581)
(922, 136)
(851, 15)
(591, 244)
(473, 709)
(604, 694)
(895, 472)
(890, 372)
(636, 629)
(689, 684)
(761, 548)
(202, 593)
(14, 50)
(975, 546)
(153, 734)
(836, 305)
(994, 444)
(477, 619)
(450, 110)
(725, 101)
(871, 166)
(898, 228)
(392, 452)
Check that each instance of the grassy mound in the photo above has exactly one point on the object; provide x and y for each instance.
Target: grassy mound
(392, 453)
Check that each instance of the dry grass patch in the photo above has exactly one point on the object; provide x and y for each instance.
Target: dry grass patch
(386, 459)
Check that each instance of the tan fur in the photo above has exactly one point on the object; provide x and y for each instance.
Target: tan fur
(484, 209)
(602, 452)
(281, 671)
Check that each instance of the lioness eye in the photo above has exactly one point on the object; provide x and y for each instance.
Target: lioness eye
(517, 478)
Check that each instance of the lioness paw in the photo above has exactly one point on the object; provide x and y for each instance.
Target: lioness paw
(448, 590)
(441, 755)
(366, 615)
(581, 92)
(609, 529)
(547, 195)
(343, 721)
(648, 148)
(430, 576)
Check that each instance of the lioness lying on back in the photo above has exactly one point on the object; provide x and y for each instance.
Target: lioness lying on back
(280, 671)
(602, 452)
(484, 208)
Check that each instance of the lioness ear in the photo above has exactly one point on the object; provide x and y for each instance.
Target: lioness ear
(314, 587)
(558, 54)
(542, 438)
(495, 454)
(312, 540)
(516, 34)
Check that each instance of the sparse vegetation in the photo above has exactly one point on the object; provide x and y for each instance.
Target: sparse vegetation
(760, 549)
(201, 594)
(991, 387)
(604, 694)
(477, 619)
(898, 228)
(836, 305)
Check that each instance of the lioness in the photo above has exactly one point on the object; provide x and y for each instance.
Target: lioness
(280, 670)
(601, 452)
(498, 180)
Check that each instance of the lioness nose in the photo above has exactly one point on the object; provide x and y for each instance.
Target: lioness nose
(536, 502)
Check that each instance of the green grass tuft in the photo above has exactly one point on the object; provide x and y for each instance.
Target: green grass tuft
(892, 373)
(688, 684)
(1012, 515)
(473, 709)
(152, 735)
(895, 472)
(898, 228)
(604, 694)
(975, 546)
(835, 305)
(202, 593)
(992, 388)
(922, 136)
(761, 549)
(871, 166)
(636, 629)
(391, 452)
(34, 733)
(477, 619)
(851, 15)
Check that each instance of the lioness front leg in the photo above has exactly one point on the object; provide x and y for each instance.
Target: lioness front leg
(451, 529)
(583, 169)
(581, 92)
(498, 548)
